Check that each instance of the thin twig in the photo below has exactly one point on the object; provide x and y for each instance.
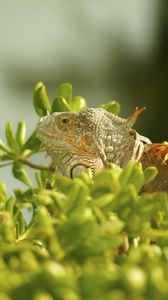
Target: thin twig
(35, 166)
(30, 164)
(6, 164)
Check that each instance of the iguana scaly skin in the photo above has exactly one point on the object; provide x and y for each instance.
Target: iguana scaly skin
(91, 138)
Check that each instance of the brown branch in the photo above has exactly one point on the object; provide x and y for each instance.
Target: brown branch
(35, 166)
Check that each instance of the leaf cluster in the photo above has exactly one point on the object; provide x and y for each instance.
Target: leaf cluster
(75, 245)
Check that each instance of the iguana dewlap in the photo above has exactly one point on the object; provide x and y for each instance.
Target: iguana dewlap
(91, 138)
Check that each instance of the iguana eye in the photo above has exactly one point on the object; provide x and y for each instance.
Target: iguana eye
(65, 121)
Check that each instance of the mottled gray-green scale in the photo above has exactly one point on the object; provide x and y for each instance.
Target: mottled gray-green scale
(117, 140)
(112, 136)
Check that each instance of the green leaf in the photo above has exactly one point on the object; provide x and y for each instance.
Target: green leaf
(10, 138)
(21, 133)
(10, 205)
(65, 90)
(115, 168)
(103, 200)
(124, 200)
(3, 192)
(105, 182)
(33, 143)
(77, 195)
(132, 173)
(40, 100)
(149, 174)
(4, 147)
(134, 278)
(78, 103)
(44, 198)
(60, 104)
(112, 106)
(23, 197)
(21, 174)
(20, 222)
(39, 179)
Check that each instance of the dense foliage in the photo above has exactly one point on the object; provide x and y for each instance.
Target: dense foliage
(75, 245)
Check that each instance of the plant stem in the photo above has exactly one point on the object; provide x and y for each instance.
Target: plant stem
(30, 164)
(35, 166)
(6, 164)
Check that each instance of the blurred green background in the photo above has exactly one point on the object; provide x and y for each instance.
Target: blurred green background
(108, 50)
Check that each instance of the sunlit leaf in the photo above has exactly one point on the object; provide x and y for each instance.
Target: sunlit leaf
(112, 106)
(40, 100)
(21, 174)
(65, 90)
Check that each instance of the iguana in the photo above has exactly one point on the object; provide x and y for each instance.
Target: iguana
(93, 137)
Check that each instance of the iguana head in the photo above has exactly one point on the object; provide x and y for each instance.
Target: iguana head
(68, 138)
(88, 139)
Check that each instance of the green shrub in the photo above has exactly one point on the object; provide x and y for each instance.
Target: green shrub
(71, 249)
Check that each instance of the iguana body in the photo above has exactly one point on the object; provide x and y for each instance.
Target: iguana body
(90, 139)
